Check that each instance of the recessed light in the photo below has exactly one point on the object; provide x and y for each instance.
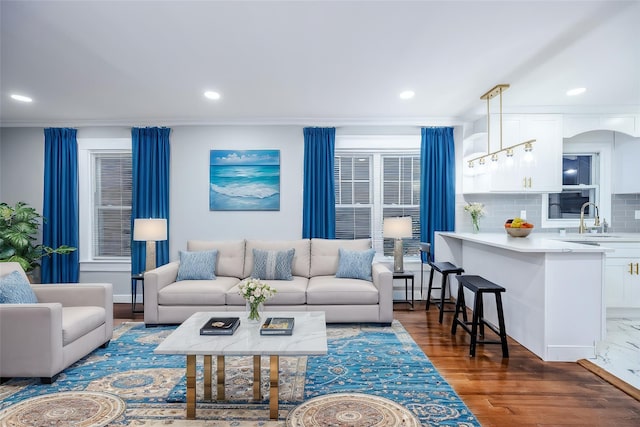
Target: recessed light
(212, 95)
(21, 98)
(576, 91)
(407, 94)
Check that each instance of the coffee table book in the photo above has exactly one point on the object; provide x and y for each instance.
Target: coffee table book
(220, 326)
(277, 326)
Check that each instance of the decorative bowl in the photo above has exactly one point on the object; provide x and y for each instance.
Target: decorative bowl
(518, 232)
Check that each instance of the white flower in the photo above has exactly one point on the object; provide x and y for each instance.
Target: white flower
(475, 209)
(255, 291)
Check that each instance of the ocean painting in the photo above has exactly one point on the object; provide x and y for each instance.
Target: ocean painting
(244, 180)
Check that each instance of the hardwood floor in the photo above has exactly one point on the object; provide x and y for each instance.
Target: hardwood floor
(519, 391)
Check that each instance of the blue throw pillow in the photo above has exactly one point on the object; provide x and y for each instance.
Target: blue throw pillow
(199, 265)
(355, 264)
(15, 289)
(272, 265)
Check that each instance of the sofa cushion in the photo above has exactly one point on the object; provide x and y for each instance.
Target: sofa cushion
(301, 257)
(272, 265)
(79, 321)
(288, 292)
(325, 256)
(198, 265)
(230, 260)
(355, 264)
(15, 289)
(329, 290)
(197, 292)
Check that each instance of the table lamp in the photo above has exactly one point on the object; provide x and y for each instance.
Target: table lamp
(150, 230)
(397, 228)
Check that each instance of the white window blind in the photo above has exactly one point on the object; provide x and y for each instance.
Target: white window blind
(372, 186)
(112, 178)
(401, 196)
(354, 201)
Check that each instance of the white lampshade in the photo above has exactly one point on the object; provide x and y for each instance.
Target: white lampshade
(397, 227)
(150, 229)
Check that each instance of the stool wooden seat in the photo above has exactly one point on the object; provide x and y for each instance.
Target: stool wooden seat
(445, 268)
(479, 286)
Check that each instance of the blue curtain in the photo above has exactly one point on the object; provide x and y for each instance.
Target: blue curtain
(319, 199)
(150, 163)
(437, 190)
(60, 205)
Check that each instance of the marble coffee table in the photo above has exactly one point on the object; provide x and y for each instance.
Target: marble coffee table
(309, 338)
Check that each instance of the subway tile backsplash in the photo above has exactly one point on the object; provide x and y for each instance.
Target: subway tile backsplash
(499, 207)
(623, 208)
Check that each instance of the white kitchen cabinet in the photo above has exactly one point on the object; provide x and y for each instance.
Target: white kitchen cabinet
(626, 154)
(622, 275)
(538, 172)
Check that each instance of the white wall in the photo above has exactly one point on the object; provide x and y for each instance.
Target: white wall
(22, 166)
(22, 176)
(190, 217)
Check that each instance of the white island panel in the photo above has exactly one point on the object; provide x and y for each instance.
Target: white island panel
(553, 303)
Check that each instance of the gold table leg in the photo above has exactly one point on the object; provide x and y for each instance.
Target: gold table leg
(220, 370)
(191, 387)
(256, 378)
(207, 377)
(273, 387)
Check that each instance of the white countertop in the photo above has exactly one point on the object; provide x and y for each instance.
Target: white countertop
(543, 242)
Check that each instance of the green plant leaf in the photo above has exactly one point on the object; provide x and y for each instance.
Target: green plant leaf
(19, 227)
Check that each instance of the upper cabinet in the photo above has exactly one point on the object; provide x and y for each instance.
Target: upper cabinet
(626, 157)
(536, 171)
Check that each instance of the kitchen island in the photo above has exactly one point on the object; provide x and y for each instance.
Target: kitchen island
(553, 304)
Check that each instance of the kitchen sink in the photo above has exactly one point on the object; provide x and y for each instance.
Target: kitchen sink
(583, 242)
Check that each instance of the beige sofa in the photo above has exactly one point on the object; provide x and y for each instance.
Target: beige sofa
(68, 322)
(314, 286)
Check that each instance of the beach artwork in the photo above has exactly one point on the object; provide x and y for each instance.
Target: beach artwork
(244, 180)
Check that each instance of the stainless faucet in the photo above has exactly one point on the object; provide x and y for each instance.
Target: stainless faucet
(596, 223)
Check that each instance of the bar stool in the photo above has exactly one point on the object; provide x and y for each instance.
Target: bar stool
(479, 286)
(445, 269)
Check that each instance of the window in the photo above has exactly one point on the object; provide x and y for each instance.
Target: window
(579, 186)
(372, 186)
(112, 204)
(354, 201)
(105, 168)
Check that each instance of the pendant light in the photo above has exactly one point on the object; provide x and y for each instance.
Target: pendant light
(509, 151)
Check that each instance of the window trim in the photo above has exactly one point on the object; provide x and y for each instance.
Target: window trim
(86, 148)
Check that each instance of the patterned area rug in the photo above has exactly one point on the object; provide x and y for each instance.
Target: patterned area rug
(383, 362)
(351, 409)
(80, 409)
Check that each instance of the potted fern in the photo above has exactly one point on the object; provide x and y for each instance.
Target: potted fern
(19, 226)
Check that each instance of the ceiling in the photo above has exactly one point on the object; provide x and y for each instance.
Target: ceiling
(312, 62)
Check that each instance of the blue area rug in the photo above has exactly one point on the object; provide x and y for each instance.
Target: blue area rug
(381, 361)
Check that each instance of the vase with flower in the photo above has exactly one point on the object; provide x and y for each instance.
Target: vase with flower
(476, 210)
(255, 294)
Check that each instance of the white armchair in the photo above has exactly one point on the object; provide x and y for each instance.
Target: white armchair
(68, 322)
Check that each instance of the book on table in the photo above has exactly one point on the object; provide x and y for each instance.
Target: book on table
(220, 326)
(277, 326)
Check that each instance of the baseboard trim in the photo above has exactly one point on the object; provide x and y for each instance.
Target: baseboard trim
(611, 379)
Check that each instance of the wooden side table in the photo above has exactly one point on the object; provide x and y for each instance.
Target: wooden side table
(406, 276)
(135, 278)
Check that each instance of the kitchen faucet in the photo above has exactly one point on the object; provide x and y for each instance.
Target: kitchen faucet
(596, 223)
